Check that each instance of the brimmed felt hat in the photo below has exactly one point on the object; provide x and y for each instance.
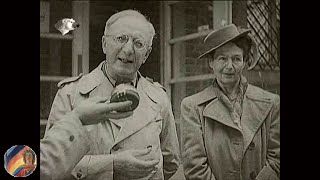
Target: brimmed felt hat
(228, 33)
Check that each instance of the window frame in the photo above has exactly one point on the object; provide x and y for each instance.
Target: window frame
(80, 44)
(167, 41)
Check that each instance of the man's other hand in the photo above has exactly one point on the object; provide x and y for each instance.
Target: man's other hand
(128, 164)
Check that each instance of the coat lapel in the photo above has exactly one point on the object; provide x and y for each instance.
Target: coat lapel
(103, 89)
(215, 110)
(92, 80)
(255, 110)
(146, 111)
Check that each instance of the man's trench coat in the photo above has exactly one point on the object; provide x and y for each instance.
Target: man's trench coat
(213, 147)
(152, 123)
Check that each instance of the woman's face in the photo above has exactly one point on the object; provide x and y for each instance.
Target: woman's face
(29, 158)
(227, 64)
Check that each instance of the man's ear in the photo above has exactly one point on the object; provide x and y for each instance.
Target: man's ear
(104, 44)
(147, 54)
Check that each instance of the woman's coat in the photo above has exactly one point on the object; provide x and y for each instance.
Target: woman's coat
(213, 147)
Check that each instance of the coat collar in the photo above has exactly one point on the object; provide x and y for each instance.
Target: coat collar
(256, 106)
(92, 80)
(214, 109)
(207, 95)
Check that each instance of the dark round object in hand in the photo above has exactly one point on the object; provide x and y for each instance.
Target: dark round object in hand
(124, 92)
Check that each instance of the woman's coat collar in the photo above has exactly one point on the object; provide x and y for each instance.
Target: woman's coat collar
(256, 107)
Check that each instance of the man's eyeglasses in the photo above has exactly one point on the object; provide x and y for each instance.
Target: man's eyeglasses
(138, 43)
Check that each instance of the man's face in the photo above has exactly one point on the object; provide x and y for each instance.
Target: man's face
(124, 59)
(227, 64)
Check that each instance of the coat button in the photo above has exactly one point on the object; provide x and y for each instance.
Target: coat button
(253, 175)
(79, 174)
(71, 138)
(251, 145)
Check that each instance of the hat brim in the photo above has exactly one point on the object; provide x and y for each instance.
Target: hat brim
(206, 51)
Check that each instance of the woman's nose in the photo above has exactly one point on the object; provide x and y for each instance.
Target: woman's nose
(229, 64)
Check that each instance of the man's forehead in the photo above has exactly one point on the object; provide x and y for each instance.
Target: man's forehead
(131, 24)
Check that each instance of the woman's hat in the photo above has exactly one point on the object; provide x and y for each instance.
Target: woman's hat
(228, 33)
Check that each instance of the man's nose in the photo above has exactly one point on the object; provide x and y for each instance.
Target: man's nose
(128, 47)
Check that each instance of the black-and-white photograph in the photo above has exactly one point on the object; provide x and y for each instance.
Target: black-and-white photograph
(163, 90)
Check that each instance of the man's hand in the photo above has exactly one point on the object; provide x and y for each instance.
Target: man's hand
(128, 163)
(97, 109)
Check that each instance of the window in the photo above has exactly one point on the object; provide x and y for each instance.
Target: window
(264, 20)
(186, 24)
(60, 56)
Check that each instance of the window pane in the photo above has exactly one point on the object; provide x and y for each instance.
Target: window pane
(188, 16)
(58, 11)
(55, 57)
(185, 62)
(264, 21)
(48, 91)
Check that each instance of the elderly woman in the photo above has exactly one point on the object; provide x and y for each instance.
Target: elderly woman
(230, 130)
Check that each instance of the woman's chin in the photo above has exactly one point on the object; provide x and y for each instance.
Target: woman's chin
(228, 82)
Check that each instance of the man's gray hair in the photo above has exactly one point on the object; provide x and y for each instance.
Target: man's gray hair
(130, 13)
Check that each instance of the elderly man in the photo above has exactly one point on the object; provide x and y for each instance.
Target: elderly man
(117, 149)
